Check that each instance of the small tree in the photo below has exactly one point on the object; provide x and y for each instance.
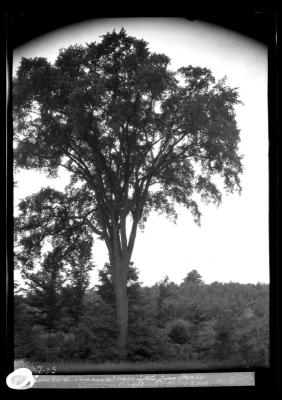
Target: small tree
(134, 136)
(164, 291)
(45, 290)
(62, 270)
(73, 293)
(194, 278)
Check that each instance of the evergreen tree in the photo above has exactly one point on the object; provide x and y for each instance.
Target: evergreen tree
(194, 278)
(165, 289)
(45, 289)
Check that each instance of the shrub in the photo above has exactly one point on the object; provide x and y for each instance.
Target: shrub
(148, 342)
(179, 331)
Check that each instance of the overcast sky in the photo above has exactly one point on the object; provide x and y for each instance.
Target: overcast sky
(232, 242)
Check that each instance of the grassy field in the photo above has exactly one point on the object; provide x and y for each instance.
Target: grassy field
(87, 367)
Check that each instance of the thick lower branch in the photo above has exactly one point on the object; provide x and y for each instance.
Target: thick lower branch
(132, 238)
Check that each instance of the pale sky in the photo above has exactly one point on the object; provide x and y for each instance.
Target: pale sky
(232, 242)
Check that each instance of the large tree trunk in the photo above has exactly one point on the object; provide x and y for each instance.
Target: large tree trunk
(120, 254)
(120, 272)
(122, 316)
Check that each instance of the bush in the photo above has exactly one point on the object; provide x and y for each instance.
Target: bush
(148, 342)
(179, 331)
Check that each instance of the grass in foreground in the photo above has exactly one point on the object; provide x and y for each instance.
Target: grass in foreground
(88, 367)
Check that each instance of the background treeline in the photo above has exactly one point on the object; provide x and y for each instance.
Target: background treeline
(59, 318)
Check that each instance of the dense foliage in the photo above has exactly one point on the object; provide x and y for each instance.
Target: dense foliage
(189, 321)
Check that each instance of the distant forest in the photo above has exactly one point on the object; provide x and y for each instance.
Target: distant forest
(55, 320)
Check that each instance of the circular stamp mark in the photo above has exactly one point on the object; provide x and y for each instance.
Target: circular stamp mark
(21, 378)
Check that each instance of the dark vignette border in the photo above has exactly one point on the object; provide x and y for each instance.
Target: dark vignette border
(20, 26)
